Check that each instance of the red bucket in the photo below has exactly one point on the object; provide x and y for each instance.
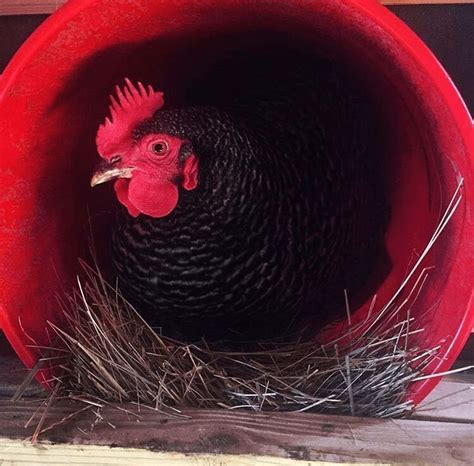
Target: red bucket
(53, 96)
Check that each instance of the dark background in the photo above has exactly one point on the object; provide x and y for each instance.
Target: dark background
(447, 29)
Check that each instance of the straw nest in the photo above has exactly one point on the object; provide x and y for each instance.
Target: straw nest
(109, 354)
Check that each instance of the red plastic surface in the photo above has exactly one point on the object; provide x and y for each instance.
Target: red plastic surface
(53, 96)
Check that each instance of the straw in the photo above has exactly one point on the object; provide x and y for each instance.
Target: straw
(109, 355)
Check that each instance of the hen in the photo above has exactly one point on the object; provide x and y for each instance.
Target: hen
(241, 217)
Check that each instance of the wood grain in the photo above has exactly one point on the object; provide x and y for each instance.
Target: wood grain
(14, 452)
(29, 7)
(440, 432)
(302, 436)
(451, 401)
(32, 7)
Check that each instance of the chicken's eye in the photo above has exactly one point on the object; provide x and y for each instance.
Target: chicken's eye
(159, 147)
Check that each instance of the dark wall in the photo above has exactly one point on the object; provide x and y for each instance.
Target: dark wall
(447, 29)
(13, 32)
(449, 32)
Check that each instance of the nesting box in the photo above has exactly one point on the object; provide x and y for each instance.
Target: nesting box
(53, 96)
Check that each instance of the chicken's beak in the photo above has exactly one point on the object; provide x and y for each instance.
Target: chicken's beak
(107, 171)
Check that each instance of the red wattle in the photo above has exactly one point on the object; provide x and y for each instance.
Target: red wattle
(153, 199)
(121, 189)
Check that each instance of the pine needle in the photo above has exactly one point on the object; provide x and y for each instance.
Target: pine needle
(111, 355)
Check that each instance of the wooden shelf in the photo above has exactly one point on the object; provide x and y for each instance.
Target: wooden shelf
(440, 432)
(35, 7)
(29, 7)
(299, 436)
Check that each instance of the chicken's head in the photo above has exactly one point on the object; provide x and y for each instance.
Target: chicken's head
(148, 169)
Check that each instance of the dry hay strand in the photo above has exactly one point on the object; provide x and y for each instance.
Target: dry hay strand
(115, 356)
(109, 354)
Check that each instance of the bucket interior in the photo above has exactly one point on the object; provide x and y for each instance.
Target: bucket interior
(198, 57)
(241, 66)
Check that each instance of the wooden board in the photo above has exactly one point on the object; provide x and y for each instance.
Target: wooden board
(16, 453)
(301, 436)
(31, 7)
(451, 401)
(441, 431)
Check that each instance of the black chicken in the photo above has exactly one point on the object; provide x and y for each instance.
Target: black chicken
(243, 216)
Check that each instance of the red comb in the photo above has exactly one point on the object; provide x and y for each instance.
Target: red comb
(128, 108)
